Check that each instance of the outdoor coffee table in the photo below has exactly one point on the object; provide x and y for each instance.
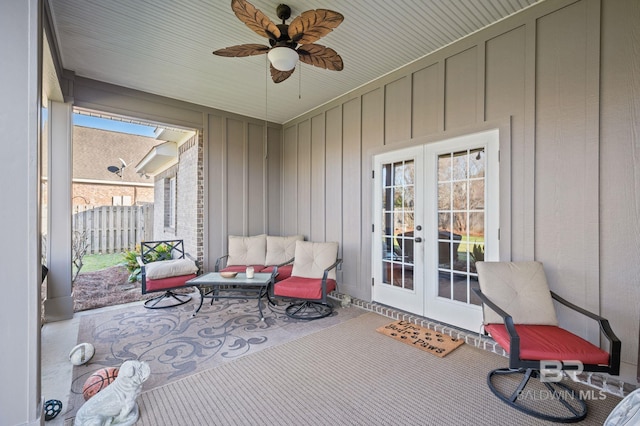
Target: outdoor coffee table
(214, 286)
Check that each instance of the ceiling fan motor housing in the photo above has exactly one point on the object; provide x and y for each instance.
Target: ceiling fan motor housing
(284, 12)
(284, 40)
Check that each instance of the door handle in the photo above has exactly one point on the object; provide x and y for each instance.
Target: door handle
(417, 239)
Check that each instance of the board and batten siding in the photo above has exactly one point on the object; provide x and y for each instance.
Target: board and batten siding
(243, 191)
(566, 151)
(543, 72)
(318, 178)
(619, 178)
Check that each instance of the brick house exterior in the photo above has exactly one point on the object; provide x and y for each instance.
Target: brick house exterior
(93, 151)
(187, 191)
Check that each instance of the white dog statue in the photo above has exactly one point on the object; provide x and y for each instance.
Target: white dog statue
(116, 404)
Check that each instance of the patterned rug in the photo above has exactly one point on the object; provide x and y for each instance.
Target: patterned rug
(420, 337)
(176, 344)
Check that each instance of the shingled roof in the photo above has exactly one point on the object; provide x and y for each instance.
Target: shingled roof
(94, 150)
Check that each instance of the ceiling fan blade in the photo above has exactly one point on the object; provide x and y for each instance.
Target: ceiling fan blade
(320, 56)
(313, 24)
(279, 76)
(255, 19)
(242, 50)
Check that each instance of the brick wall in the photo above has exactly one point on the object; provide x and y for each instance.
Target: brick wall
(102, 195)
(189, 193)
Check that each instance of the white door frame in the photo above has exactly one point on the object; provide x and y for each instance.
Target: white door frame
(411, 300)
(424, 298)
(464, 315)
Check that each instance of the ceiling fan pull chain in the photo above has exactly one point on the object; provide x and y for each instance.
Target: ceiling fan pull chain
(300, 82)
(266, 97)
(266, 89)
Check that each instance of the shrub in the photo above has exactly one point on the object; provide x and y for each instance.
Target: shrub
(162, 252)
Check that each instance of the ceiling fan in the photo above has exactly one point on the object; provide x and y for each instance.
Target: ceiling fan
(287, 43)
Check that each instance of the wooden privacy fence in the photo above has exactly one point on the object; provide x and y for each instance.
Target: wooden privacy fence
(113, 229)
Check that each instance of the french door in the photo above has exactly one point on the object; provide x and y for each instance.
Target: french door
(398, 230)
(436, 214)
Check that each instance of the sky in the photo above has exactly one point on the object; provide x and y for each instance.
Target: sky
(84, 120)
(113, 125)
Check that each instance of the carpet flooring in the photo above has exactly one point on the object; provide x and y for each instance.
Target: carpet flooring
(176, 344)
(346, 374)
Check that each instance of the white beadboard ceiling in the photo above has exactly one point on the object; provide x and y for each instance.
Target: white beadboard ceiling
(164, 47)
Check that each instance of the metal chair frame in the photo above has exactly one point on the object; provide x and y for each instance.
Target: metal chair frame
(176, 251)
(572, 401)
(312, 309)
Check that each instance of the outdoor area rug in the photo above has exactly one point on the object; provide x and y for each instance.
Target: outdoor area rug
(420, 337)
(175, 344)
(347, 374)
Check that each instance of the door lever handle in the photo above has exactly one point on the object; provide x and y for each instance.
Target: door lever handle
(417, 239)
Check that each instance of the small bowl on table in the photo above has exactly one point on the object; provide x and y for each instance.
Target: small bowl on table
(228, 274)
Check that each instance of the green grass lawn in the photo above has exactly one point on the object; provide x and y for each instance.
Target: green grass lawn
(96, 262)
(467, 243)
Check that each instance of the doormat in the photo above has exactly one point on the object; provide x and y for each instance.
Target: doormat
(423, 338)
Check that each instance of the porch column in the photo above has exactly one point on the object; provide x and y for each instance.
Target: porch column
(59, 303)
(20, 38)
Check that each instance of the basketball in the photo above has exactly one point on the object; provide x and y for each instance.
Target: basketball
(99, 380)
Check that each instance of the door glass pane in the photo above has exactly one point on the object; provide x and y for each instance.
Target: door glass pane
(444, 196)
(459, 165)
(398, 222)
(460, 195)
(476, 194)
(477, 163)
(461, 201)
(444, 285)
(444, 168)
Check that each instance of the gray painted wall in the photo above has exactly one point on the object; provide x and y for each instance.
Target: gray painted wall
(242, 166)
(564, 74)
(619, 164)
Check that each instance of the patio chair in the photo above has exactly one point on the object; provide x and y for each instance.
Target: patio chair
(538, 348)
(312, 278)
(166, 267)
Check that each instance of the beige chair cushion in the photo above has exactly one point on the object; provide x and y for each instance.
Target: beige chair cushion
(170, 268)
(311, 259)
(520, 289)
(247, 250)
(281, 249)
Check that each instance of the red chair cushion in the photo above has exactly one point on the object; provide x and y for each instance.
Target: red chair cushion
(284, 272)
(548, 342)
(302, 288)
(167, 283)
(242, 268)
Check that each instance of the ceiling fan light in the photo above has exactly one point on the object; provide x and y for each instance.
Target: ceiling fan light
(283, 58)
